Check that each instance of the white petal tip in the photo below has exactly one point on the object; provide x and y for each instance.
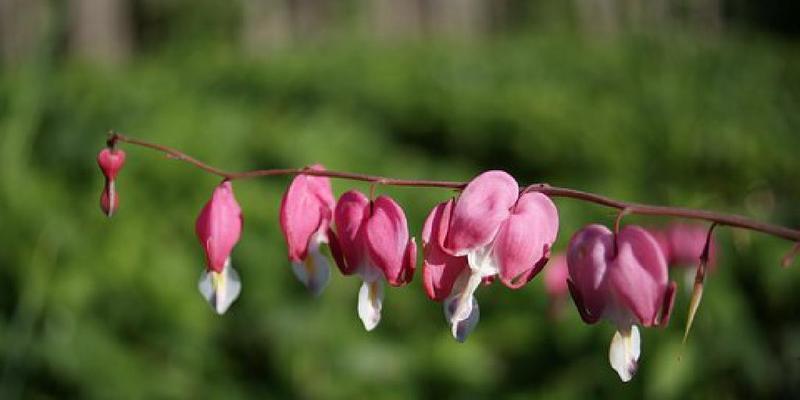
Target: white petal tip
(369, 325)
(314, 272)
(624, 353)
(462, 328)
(370, 303)
(220, 289)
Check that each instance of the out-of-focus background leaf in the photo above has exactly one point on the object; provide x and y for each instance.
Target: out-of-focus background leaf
(692, 103)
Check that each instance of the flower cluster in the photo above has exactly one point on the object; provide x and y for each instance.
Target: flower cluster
(491, 231)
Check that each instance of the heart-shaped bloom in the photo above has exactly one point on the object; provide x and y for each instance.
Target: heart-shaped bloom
(218, 228)
(624, 280)
(682, 245)
(555, 277)
(555, 285)
(110, 162)
(306, 213)
(372, 241)
(489, 231)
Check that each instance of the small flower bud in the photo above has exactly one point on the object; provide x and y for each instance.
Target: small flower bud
(110, 162)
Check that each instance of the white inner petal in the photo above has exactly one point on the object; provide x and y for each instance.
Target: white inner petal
(624, 352)
(370, 302)
(463, 328)
(314, 272)
(461, 306)
(463, 291)
(220, 289)
(481, 261)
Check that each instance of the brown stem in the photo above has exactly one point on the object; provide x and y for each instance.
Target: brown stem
(628, 208)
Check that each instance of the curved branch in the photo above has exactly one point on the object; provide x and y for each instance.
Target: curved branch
(628, 208)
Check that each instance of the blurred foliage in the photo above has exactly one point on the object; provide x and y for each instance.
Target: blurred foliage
(96, 308)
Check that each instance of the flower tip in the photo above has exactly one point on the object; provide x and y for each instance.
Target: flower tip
(109, 201)
(624, 352)
(220, 289)
(462, 328)
(313, 272)
(370, 302)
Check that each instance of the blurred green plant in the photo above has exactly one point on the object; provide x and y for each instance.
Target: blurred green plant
(108, 309)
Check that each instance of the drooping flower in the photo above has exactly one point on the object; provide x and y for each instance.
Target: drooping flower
(555, 277)
(372, 241)
(306, 213)
(489, 231)
(555, 284)
(110, 162)
(218, 228)
(683, 245)
(621, 279)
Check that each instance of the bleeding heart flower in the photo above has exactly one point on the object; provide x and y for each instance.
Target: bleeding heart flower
(306, 213)
(682, 245)
(373, 242)
(110, 162)
(555, 277)
(623, 281)
(685, 245)
(555, 285)
(490, 230)
(218, 228)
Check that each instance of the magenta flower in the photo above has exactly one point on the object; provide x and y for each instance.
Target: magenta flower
(110, 162)
(373, 242)
(218, 228)
(489, 231)
(306, 213)
(625, 283)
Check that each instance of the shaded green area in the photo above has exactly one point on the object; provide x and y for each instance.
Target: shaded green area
(96, 308)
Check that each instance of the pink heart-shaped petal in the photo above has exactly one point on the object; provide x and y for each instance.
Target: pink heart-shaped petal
(110, 162)
(439, 269)
(388, 241)
(306, 207)
(219, 226)
(589, 254)
(639, 274)
(525, 239)
(350, 217)
(482, 207)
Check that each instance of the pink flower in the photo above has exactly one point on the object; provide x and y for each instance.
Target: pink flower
(685, 243)
(682, 245)
(110, 162)
(306, 213)
(218, 228)
(555, 277)
(625, 283)
(373, 242)
(489, 231)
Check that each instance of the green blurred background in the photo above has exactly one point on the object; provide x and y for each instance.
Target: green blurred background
(691, 103)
